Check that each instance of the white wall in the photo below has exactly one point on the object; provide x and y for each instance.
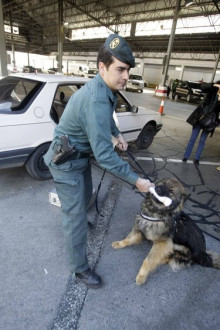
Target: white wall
(194, 69)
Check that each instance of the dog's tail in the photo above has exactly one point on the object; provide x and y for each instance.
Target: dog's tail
(209, 259)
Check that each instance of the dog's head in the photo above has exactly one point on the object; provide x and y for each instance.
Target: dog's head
(171, 188)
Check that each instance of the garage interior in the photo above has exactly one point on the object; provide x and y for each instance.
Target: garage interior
(50, 27)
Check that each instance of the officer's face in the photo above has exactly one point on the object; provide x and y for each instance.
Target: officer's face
(116, 75)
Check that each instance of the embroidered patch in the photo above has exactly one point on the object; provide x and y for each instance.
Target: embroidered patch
(115, 42)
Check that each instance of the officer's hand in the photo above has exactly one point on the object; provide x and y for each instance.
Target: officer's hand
(143, 185)
(122, 144)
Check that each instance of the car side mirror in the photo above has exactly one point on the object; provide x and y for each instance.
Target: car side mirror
(134, 109)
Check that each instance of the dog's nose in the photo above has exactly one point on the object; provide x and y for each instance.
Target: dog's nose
(162, 190)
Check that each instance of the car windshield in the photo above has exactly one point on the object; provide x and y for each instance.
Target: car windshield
(134, 76)
(15, 92)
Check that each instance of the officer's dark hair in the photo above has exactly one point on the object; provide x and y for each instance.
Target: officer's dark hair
(104, 56)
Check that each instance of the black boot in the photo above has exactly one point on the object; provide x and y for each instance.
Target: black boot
(89, 278)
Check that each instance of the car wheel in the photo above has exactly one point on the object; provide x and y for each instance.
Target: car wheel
(36, 166)
(188, 98)
(146, 137)
(176, 97)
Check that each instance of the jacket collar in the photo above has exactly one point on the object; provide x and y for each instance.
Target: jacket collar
(111, 95)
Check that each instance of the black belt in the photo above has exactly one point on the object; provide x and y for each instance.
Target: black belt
(79, 155)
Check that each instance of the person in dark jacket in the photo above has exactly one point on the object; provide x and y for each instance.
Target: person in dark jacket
(209, 104)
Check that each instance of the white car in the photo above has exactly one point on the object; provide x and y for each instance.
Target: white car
(92, 73)
(31, 106)
(135, 83)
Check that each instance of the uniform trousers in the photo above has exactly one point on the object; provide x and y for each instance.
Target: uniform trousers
(73, 182)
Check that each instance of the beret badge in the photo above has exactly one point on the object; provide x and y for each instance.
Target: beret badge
(114, 43)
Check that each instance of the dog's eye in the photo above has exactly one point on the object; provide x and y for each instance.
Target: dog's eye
(171, 191)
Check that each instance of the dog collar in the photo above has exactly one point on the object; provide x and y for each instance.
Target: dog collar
(149, 218)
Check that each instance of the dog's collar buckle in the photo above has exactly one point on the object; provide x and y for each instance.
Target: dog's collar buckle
(149, 218)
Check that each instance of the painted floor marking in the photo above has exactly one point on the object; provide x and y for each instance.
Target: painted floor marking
(170, 160)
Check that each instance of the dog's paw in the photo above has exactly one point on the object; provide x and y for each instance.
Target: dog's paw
(116, 245)
(140, 279)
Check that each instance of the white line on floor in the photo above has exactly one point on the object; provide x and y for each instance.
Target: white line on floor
(170, 160)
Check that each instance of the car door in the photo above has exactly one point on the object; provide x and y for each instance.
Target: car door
(128, 121)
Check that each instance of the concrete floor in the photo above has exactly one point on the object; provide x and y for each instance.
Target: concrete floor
(37, 291)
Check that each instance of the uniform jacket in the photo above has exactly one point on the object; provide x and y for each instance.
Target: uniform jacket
(88, 122)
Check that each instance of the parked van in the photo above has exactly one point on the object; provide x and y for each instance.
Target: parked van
(78, 70)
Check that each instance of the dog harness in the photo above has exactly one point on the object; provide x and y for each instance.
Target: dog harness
(150, 218)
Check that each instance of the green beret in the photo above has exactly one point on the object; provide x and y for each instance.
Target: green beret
(120, 49)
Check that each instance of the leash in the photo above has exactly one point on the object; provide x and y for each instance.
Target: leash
(96, 198)
(100, 183)
(139, 166)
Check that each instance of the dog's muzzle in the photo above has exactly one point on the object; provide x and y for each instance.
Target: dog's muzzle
(163, 194)
(162, 190)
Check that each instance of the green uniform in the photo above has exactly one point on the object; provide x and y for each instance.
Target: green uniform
(88, 123)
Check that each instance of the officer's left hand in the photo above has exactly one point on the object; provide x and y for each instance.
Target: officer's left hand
(122, 144)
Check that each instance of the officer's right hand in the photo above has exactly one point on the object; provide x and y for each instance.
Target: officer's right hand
(143, 185)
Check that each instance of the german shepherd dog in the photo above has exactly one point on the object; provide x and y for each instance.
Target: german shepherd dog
(176, 239)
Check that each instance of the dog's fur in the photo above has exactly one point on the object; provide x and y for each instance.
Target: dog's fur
(176, 239)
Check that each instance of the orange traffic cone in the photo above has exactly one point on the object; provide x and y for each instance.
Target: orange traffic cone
(161, 107)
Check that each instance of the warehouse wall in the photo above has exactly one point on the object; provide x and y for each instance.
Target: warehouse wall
(150, 68)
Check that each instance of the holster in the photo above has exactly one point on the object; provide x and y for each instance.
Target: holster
(63, 151)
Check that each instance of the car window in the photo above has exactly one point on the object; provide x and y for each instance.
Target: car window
(62, 96)
(122, 104)
(134, 76)
(16, 92)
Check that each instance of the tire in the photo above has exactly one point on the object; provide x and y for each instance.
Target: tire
(35, 164)
(146, 137)
(188, 98)
(176, 98)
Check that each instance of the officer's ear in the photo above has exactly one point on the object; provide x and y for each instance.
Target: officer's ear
(101, 68)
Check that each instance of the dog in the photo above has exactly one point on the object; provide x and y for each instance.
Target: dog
(176, 239)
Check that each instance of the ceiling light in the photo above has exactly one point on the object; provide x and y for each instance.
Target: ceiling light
(188, 3)
(65, 23)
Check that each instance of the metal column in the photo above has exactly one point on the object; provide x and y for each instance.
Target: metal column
(3, 53)
(12, 41)
(60, 34)
(216, 65)
(171, 40)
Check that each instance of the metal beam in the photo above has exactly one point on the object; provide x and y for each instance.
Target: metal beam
(60, 35)
(216, 65)
(171, 40)
(3, 54)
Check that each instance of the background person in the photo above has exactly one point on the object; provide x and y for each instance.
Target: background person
(88, 122)
(210, 103)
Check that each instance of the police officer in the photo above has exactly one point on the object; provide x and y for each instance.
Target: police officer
(88, 122)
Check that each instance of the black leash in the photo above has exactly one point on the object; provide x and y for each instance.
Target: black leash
(100, 183)
(96, 199)
(139, 166)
